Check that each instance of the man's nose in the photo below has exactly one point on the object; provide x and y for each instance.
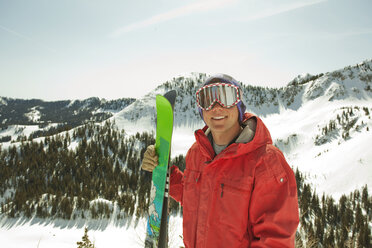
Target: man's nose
(216, 106)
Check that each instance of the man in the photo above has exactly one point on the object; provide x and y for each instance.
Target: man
(237, 189)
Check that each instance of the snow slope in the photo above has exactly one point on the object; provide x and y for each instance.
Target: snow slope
(61, 235)
(336, 167)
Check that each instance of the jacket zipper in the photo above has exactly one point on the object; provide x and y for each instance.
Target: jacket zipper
(222, 189)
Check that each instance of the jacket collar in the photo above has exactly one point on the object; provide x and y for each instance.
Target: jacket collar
(254, 135)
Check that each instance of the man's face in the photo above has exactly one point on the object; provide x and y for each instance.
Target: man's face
(222, 120)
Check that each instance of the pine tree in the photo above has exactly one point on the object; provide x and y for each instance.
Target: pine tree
(358, 219)
(85, 243)
(364, 238)
(365, 199)
(319, 231)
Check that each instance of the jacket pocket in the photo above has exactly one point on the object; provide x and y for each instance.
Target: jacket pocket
(191, 190)
(232, 204)
(236, 188)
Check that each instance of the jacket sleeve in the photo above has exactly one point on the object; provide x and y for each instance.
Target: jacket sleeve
(273, 213)
(176, 183)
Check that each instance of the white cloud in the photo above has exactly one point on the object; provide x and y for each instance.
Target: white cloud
(27, 38)
(281, 9)
(199, 6)
(354, 32)
(15, 33)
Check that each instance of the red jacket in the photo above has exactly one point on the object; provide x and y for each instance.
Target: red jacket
(243, 197)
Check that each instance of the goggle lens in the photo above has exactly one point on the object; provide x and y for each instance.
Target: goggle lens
(226, 95)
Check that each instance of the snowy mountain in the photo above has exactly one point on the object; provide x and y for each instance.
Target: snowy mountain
(304, 118)
(353, 84)
(322, 123)
(21, 118)
(35, 111)
(314, 120)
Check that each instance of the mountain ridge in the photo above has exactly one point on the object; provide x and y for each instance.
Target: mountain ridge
(353, 82)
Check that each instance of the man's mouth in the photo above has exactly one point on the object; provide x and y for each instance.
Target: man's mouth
(218, 117)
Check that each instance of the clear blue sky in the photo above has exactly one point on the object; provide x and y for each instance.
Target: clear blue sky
(74, 49)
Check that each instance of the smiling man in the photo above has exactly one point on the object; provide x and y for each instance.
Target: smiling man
(237, 189)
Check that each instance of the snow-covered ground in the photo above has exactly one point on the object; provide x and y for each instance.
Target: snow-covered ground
(60, 234)
(336, 167)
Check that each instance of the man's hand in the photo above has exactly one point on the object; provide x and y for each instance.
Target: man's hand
(150, 159)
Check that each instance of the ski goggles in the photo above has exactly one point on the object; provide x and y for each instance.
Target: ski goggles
(227, 95)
